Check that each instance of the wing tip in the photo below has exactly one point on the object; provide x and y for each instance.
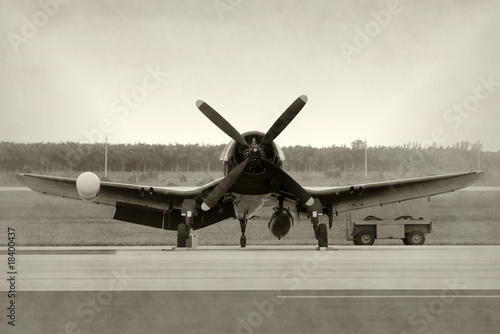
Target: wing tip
(479, 174)
(303, 98)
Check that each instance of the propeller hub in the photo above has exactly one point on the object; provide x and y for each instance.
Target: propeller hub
(255, 151)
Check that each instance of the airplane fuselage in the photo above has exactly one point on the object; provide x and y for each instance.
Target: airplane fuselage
(255, 185)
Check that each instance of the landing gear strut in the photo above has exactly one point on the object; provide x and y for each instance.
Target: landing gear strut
(243, 238)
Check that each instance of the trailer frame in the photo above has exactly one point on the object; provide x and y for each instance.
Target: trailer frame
(367, 226)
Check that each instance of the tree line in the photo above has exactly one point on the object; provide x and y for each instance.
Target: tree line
(404, 159)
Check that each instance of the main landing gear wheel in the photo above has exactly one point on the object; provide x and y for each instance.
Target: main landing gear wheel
(365, 237)
(182, 235)
(243, 238)
(416, 238)
(322, 235)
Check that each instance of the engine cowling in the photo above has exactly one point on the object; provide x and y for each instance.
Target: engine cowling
(88, 186)
(280, 223)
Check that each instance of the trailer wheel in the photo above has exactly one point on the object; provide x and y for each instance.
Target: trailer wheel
(365, 237)
(416, 237)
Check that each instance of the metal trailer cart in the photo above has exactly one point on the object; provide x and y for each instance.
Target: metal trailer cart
(408, 221)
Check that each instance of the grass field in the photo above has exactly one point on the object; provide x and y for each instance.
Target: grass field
(464, 217)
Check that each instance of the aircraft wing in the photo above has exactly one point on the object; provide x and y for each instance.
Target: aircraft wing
(160, 207)
(348, 198)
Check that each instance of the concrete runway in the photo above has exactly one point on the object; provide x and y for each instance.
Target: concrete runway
(257, 268)
(377, 289)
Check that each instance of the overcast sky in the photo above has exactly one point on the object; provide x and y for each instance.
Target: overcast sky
(426, 71)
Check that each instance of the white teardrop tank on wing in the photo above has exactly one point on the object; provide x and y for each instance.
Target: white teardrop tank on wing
(88, 186)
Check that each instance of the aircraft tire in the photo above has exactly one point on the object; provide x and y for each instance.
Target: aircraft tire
(181, 235)
(322, 235)
(243, 241)
(405, 241)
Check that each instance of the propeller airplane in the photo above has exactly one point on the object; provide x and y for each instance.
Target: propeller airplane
(253, 177)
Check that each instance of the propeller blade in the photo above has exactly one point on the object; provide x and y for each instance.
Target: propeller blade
(226, 183)
(220, 122)
(285, 119)
(288, 182)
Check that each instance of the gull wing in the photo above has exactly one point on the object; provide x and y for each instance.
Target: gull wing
(111, 193)
(141, 204)
(348, 198)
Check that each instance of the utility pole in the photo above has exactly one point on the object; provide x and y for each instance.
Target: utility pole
(479, 159)
(106, 158)
(366, 158)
